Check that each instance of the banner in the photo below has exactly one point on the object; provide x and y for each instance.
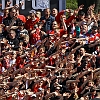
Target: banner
(36, 4)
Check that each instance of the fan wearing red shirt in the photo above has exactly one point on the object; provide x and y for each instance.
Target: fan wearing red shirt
(57, 31)
(21, 17)
(32, 21)
(61, 14)
(35, 35)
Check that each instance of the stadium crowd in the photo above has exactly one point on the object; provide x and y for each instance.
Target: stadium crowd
(49, 57)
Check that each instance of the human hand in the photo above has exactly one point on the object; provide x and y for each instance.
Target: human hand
(8, 3)
(80, 7)
(67, 10)
(43, 21)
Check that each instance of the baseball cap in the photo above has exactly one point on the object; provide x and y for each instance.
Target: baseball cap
(32, 11)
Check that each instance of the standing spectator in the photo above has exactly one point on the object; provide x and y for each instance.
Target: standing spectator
(13, 41)
(54, 12)
(38, 14)
(21, 17)
(32, 21)
(12, 16)
(6, 13)
(47, 20)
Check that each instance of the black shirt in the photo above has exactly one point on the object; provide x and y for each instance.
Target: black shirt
(7, 21)
(14, 43)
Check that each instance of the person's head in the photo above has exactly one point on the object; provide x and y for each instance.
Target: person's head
(84, 28)
(5, 41)
(12, 12)
(63, 17)
(26, 39)
(90, 83)
(41, 83)
(57, 89)
(94, 29)
(98, 48)
(93, 91)
(12, 34)
(28, 17)
(84, 78)
(47, 12)
(82, 51)
(21, 45)
(14, 55)
(54, 12)
(81, 15)
(73, 85)
(72, 57)
(6, 12)
(51, 38)
(98, 80)
(38, 14)
(32, 13)
(88, 18)
(55, 25)
(21, 25)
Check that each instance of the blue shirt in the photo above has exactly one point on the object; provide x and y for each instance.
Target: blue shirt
(48, 24)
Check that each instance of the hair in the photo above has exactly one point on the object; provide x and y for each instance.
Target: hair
(26, 37)
(21, 23)
(91, 81)
(55, 8)
(48, 9)
(38, 15)
(10, 10)
(12, 30)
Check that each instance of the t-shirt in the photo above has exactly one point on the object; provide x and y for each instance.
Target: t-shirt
(30, 23)
(14, 43)
(22, 17)
(61, 32)
(8, 20)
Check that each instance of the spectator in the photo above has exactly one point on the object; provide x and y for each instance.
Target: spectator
(38, 14)
(12, 14)
(54, 12)
(13, 41)
(21, 17)
(47, 20)
(32, 21)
